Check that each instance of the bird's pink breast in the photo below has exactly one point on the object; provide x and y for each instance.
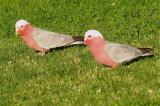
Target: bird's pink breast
(30, 42)
(98, 51)
(26, 35)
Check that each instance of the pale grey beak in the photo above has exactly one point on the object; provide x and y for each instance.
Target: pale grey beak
(17, 32)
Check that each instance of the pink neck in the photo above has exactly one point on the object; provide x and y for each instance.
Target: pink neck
(27, 30)
(97, 43)
(97, 46)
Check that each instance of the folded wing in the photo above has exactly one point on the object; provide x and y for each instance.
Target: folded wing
(122, 53)
(48, 40)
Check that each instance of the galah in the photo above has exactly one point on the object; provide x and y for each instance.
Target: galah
(43, 40)
(112, 54)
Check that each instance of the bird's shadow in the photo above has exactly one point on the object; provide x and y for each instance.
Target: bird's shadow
(62, 48)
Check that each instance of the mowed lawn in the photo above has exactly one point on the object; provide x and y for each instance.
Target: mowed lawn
(71, 76)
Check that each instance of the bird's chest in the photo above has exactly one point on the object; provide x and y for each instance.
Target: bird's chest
(30, 41)
(99, 54)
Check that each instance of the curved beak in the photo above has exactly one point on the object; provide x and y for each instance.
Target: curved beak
(88, 41)
(17, 32)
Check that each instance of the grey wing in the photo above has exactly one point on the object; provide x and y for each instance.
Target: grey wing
(48, 40)
(122, 53)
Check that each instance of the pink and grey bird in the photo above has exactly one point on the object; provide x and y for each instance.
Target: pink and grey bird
(42, 40)
(112, 54)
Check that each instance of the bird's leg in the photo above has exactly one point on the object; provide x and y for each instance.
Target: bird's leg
(115, 66)
(41, 53)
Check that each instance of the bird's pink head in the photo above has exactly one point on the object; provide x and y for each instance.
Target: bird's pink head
(23, 27)
(92, 36)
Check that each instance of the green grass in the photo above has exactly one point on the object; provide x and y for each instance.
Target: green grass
(71, 76)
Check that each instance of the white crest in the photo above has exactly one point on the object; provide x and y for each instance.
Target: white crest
(93, 33)
(21, 23)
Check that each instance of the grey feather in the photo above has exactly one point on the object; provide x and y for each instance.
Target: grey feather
(122, 53)
(146, 52)
(48, 40)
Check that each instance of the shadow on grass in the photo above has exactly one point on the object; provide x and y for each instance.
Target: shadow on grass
(62, 48)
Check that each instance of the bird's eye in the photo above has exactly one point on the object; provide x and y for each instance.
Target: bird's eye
(89, 36)
(21, 26)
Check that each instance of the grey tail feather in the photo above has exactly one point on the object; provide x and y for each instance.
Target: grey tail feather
(78, 40)
(146, 51)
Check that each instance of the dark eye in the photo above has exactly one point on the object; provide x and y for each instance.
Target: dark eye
(89, 36)
(21, 26)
